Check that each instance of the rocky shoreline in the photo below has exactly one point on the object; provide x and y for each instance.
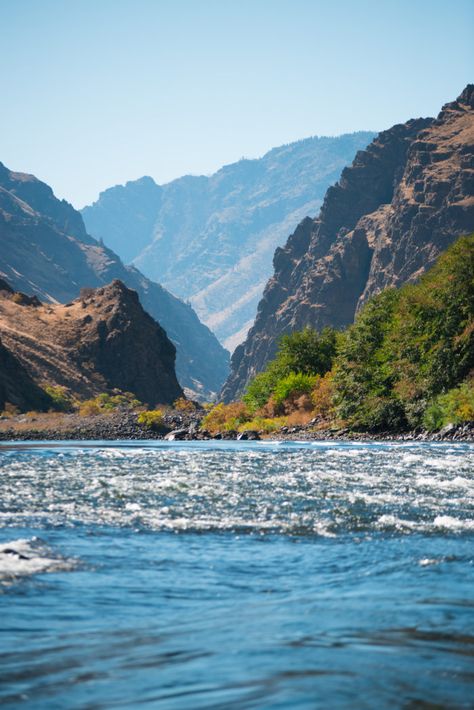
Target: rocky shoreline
(178, 426)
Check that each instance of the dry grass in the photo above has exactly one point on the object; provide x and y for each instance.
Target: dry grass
(39, 421)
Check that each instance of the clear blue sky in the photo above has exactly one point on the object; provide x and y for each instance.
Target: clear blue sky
(98, 92)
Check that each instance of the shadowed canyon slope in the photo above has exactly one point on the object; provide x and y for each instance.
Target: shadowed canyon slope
(404, 200)
(211, 240)
(45, 250)
(101, 341)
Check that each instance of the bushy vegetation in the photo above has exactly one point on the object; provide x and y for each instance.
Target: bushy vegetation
(304, 353)
(323, 397)
(409, 346)
(89, 408)
(226, 417)
(456, 407)
(152, 419)
(263, 424)
(285, 387)
(105, 402)
(62, 400)
(408, 360)
(184, 405)
(292, 387)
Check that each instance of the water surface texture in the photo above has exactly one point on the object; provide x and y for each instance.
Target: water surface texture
(236, 575)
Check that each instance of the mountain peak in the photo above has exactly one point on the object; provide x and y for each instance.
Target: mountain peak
(467, 96)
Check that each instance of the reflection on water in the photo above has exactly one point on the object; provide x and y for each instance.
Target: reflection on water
(224, 575)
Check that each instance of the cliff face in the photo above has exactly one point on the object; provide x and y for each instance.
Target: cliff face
(211, 239)
(101, 341)
(45, 250)
(402, 202)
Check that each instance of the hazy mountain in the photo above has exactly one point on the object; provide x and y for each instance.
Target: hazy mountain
(402, 202)
(210, 240)
(45, 250)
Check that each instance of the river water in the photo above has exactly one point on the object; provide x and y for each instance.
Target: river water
(236, 575)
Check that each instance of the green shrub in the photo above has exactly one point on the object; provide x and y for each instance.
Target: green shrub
(105, 403)
(408, 346)
(152, 419)
(305, 352)
(434, 417)
(292, 386)
(309, 351)
(124, 400)
(454, 407)
(400, 364)
(261, 387)
(61, 399)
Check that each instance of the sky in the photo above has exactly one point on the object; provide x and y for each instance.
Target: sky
(98, 92)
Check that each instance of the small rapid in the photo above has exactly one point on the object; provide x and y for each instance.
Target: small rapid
(322, 489)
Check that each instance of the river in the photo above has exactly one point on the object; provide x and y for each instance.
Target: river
(190, 575)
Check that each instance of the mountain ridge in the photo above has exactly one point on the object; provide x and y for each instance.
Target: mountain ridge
(394, 210)
(211, 238)
(46, 250)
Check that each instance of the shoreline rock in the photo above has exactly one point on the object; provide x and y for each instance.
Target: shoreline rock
(178, 426)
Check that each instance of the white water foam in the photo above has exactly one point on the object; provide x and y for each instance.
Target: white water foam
(23, 558)
(323, 489)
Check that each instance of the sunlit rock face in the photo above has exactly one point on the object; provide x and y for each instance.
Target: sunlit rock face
(404, 200)
(99, 342)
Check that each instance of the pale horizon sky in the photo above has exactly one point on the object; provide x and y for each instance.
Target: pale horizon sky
(99, 92)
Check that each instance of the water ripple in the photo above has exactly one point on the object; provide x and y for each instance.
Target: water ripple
(305, 489)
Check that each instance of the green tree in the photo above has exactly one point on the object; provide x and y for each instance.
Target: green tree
(305, 352)
(365, 368)
(409, 345)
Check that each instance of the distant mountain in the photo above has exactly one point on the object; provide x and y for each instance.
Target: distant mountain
(45, 250)
(211, 240)
(402, 202)
(102, 341)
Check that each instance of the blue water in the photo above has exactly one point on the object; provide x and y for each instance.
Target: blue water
(236, 575)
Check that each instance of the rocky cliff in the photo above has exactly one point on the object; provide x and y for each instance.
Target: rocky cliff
(402, 202)
(101, 341)
(45, 250)
(211, 240)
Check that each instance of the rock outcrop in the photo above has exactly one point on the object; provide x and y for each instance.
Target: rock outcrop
(45, 250)
(404, 200)
(101, 341)
(211, 240)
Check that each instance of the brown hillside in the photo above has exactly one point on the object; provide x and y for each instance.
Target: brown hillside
(101, 341)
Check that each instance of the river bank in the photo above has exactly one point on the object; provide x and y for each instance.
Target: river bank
(185, 426)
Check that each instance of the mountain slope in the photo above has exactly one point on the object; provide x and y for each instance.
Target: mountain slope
(101, 341)
(210, 240)
(400, 204)
(45, 250)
